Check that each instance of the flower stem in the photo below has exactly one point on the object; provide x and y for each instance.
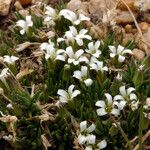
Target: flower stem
(140, 128)
(122, 132)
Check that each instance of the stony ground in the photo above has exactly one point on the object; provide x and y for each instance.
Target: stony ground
(130, 18)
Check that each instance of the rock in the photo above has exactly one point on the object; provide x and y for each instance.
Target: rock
(128, 37)
(78, 6)
(124, 17)
(98, 31)
(130, 4)
(99, 7)
(144, 26)
(143, 44)
(128, 28)
(18, 6)
(25, 2)
(24, 12)
(138, 54)
(142, 5)
(4, 7)
(145, 16)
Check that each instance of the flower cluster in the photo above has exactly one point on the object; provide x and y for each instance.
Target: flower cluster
(66, 96)
(147, 108)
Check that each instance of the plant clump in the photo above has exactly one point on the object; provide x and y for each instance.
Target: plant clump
(65, 89)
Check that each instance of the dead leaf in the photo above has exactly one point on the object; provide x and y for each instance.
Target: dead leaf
(23, 46)
(23, 73)
(11, 120)
(45, 141)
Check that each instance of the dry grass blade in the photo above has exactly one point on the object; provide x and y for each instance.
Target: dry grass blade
(23, 73)
(143, 139)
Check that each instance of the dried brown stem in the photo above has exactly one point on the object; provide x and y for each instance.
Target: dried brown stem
(143, 139)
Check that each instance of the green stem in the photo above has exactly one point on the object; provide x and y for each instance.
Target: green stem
(140, 128)
(122, 132)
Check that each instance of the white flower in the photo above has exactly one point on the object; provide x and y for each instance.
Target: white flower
(91, 139)
(84, 128)
(119, 77)
(9, 106)
(4, 74)
(25, 24)
(66, 96)
(120, 51)
(147, 115)
(107, 106)
(98, 66)
(70, 15)
(76, 57)
(147, 105)
(93, 49)
(134, 105)
(141, 67)
(51, 52)
(85, 135)
(147, 108)
(51, 15)
(72, 35)
(89, 148)
(82, 139)
(102, 144)
(119, 101)
(83, 76)
(10, 59)
(8, 138)
(127, 94)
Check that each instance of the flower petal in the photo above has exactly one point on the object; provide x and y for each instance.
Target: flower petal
(91, 128)
(77, 74)
(83, 126)
(112, 49)
(121, 58)
(112, 55)
(130, 90)
(115, 112)
(120, 49)
(75, 93)
(88, 82)
(133, 96)
(97, 44)
(118, 97)
(127, 51)
(62, 93)
(91, 139)
(84, 70)
(109, 98)
(122, 90)
(70, 52)
(100, 104)
(81, 139)
(60, 57)
(79, 53)
(70, 89)
(102, 144)
(83, 18)
(101, 112)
